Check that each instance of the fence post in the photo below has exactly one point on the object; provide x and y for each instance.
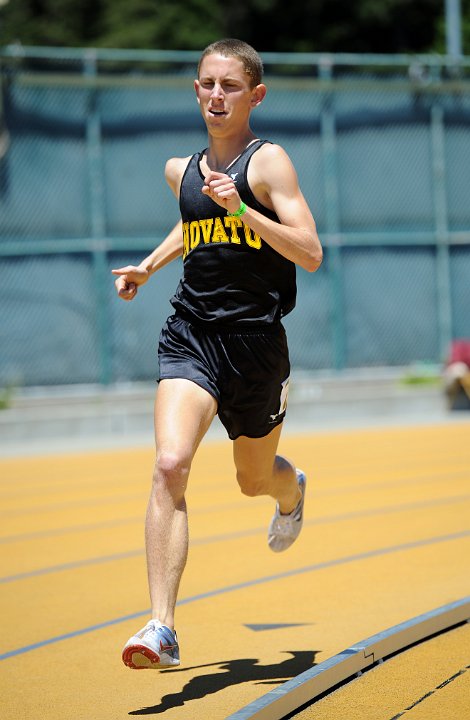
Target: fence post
(444, 305)
(98, 224)
(453, 16)
(330, 170)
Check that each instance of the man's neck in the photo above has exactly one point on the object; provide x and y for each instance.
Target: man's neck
(223, 152)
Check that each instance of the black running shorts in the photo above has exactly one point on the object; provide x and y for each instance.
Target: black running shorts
(246, 371)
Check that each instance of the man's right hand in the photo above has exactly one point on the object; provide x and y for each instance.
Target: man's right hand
(128, 280)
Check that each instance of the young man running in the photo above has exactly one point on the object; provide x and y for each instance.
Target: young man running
(245, 225)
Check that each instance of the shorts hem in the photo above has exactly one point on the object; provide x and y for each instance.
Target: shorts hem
(197, 382)
(256, 435)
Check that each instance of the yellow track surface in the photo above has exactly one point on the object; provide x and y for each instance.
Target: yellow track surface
(431, 681)
(386, 538)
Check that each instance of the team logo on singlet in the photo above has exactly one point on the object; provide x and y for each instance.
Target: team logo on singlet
(282, 400)
(218, 230)
(234, 176)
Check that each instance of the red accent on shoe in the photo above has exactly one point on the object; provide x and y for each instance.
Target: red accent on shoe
(164, 648)
(128, 652)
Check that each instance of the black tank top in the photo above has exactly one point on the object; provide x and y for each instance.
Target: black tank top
(230, 275)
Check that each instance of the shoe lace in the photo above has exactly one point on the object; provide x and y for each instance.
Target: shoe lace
(145, 631)
(151, 627)
(150, 630)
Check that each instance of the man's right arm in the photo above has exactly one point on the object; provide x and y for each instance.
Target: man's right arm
(131, 277)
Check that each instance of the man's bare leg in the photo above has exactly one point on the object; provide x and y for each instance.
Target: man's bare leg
(183, 414)
(261, 472)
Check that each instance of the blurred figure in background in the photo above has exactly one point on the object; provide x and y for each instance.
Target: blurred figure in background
(457, 375)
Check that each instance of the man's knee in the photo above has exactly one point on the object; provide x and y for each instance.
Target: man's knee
(251, 484)
(171, 471)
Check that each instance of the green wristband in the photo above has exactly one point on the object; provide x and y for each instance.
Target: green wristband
(241, 210)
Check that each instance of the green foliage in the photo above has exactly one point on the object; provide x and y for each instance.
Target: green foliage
(343, 26)
(6, 397)
(366, 26)
(50, 22)
(440, 40)
(162, 24)
(423, 374)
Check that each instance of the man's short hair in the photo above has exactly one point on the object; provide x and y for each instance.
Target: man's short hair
(230, 47)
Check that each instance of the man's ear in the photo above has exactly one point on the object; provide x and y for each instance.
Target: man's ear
(258, 94)
(196, 87)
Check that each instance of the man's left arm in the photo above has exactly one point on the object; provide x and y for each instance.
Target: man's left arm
(274, 182)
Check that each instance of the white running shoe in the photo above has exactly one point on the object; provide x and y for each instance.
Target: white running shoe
(155, 646)
(284, 529)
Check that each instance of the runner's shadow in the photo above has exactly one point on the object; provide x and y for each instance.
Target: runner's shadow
(233, 672)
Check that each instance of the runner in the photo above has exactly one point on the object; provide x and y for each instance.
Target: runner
(244, 227)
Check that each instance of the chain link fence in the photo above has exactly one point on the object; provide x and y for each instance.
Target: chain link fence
(382, 150)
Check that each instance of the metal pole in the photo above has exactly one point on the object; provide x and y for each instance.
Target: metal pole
(443, 278)
(98, 225)
(330, 171)
(453, 28)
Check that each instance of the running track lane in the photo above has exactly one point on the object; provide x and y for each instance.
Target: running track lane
(240, 586)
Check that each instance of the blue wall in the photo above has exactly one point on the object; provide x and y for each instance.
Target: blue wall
(385, 167)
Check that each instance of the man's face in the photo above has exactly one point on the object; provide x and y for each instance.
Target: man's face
(224, 92)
